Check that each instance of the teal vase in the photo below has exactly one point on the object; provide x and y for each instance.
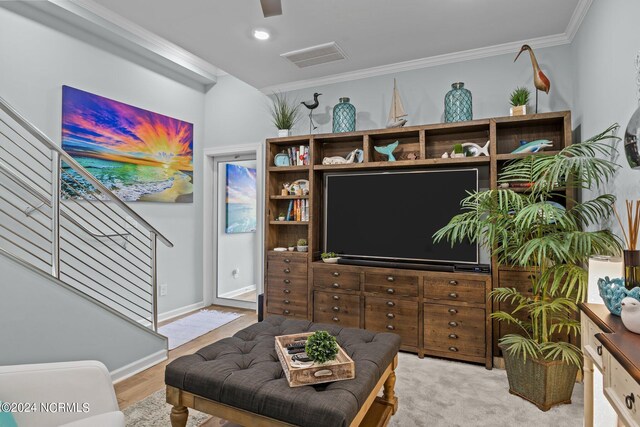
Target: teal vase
(458, 106)
(344, 117)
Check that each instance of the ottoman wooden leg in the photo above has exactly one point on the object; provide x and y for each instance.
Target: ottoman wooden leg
(179, 416)
(389, 394)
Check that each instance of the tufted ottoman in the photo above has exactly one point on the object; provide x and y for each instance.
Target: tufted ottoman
(241, 380)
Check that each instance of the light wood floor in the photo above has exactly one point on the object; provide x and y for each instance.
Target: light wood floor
(250, 296)
(147, 382)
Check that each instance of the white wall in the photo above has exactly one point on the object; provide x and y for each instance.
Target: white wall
(37, 60)
(237, 251)
(605, 92)
(51, 323)
(490, 81)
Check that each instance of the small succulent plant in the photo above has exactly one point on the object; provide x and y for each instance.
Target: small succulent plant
(520, 96)
(302, 242)
(326, 255)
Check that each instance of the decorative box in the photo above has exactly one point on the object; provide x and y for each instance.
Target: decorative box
(342, 368)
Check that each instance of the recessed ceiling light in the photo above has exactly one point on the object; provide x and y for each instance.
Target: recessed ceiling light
(261, 34)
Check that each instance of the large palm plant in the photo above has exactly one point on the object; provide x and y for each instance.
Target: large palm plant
(532, 230)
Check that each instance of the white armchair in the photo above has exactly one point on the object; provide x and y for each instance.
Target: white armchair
(70, 394)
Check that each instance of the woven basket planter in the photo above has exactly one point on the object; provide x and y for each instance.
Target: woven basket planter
(542, 382)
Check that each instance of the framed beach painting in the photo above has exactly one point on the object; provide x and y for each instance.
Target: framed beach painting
(240, 199)
(138, 154)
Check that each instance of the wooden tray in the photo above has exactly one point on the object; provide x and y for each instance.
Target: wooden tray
(342, 368)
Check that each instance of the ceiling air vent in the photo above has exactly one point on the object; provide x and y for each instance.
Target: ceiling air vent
(315, 55)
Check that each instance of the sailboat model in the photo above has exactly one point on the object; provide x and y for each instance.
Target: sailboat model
(397, 112)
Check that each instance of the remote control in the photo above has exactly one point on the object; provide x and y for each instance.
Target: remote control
(301, 357)
(296, 345)
(296, 350)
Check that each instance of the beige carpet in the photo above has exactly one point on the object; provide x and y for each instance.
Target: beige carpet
(431, 392)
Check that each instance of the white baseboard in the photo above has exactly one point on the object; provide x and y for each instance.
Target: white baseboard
(168, 315)
(140, 365)
(235, 293)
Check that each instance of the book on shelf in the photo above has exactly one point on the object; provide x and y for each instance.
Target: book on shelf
(298, 156)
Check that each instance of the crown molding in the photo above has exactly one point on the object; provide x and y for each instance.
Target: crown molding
(155, 52)
(578, 16)
(433, 61)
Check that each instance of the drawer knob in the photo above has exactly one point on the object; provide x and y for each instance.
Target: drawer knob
(390, 327)
(454, 349)
(287, 291)
(453, 336)
(287, 260)
(599, 350)
(390, 279)
(287, 270)
(336, 297)
(335, 319)
(531, 277)
(286, 301)
(391, 315)
(287, 312)
(391, 291)
(453, 295)
(335, 308)
(630, 400)
(453, 324)
(453, 282)
(336, 273)
(391, 303)
(336, 285)
(453, 311)
(287, 281)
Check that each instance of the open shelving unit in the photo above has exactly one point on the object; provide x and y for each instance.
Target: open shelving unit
(420, 147)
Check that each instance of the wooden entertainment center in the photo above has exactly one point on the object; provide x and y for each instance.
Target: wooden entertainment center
(443, 314)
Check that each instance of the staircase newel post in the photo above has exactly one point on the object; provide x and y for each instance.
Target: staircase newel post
(55, 214)
(154, 281)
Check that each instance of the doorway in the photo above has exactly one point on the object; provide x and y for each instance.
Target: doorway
(233, 252)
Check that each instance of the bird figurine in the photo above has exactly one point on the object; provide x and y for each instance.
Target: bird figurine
(540, 80)
(631, 314)
(312, 105)
(387, 150)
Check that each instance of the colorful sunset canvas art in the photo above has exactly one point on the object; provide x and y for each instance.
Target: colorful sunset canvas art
(137, 154)
(241, 199)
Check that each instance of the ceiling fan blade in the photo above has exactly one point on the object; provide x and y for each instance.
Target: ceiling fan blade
(271, 7)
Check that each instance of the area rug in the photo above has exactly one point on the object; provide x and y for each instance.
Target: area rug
(440, 393)
(191, 327)
(154, 412)
(431, 392)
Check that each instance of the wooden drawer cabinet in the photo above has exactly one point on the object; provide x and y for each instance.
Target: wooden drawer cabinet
(287, 285)
(338, 308)
(396, 285)
(393, 315)
(454, 329)
(622, 391)
(454, 289)
(330, 277)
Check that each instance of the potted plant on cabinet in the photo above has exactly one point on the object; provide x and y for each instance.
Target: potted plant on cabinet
(284, 114)
(535, 232)
(302, 245)
(519, 99)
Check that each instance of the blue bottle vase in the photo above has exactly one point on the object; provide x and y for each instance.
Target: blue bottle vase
(458, 106)
(344, 117)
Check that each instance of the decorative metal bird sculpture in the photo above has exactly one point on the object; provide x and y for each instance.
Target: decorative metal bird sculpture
(540, 80)
(312, 105)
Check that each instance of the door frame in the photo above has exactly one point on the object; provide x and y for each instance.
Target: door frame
(210, 218)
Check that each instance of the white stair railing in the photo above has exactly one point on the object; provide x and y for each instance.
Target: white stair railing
(58, 218)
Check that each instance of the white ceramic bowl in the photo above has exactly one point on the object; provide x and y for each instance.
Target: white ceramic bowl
(331, 260)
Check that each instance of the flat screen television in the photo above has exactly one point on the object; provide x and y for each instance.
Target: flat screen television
(392, 216)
